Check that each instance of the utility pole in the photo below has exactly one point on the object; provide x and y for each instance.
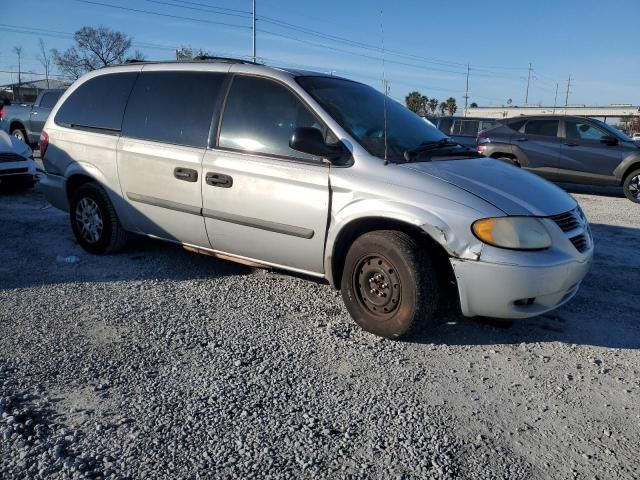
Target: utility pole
(526, 97)
(18, 52)
(566, 98)
(254, 31)
(555, 99)
(466, 92)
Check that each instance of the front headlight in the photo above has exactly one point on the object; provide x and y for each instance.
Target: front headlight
(517, 233)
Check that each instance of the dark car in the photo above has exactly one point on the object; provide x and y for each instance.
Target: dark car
(567, 149)
(463, 130)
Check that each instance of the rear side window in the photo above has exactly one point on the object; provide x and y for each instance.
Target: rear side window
(173, 107)
(546, 128)
(97, 103)
(49, 99)
(465, 128)
(516, 125)
(260, 116)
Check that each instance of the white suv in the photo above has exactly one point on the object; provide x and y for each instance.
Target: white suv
(315, 174)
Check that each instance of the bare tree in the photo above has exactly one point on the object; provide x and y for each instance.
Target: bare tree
(18, 51)
(44, 58)
(95, 48)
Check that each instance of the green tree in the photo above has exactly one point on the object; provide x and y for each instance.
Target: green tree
(473, 105)
(415, 102)
(451, 105)
(443, 108)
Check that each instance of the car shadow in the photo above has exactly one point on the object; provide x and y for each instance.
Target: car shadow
(600, 190)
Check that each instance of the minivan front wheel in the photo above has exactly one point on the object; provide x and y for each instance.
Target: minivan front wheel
(631, 186)
(94, 221)
(389, 284)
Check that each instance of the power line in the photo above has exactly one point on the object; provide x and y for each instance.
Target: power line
(201, 20)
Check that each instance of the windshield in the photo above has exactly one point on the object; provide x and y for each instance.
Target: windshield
(359, 109)
(614, 131)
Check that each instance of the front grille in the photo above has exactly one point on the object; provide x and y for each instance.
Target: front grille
(13, 170)
(574, 223)
(567, 221)
(11, 157)
(581, 242)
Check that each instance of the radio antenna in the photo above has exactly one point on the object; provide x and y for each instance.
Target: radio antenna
(385, 86)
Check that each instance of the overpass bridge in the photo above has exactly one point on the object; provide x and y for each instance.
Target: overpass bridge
(610, 111)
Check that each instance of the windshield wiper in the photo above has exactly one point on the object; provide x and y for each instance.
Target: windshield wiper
(411, 154)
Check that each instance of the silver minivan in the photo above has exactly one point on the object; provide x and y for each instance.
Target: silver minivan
(314, 174)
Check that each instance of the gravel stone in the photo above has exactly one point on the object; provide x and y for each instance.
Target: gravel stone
(125, 366)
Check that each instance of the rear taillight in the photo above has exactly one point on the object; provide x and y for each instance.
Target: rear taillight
(1, 113)
(43, 143)
(480, 141)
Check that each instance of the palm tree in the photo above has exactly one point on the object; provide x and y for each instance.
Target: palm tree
(432, 105)
(443, 108)
(451, 105)
(414, 102)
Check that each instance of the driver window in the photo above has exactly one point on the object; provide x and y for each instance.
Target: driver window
(260, 116)
(583, 131)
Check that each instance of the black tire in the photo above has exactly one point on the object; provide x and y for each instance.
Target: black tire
(509, 160)
(404, 298)
(111, 237)
(20, 134)
(631, 186)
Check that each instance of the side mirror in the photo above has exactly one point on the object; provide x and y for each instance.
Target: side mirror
(310, 140)
(609, 140)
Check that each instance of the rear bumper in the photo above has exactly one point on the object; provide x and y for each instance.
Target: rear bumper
(55, 191)
(505, 291)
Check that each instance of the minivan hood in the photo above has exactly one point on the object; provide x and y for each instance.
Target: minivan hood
(509, 188)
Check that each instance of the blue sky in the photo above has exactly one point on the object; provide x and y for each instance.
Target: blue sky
(428, 42)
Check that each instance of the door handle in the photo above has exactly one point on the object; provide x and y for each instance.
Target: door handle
(34, 113)
(219, 180)
(521, 139)
(186, 174)
(571, 144)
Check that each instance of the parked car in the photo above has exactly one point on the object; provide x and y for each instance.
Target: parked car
(636, 137)
(310, 173)
(25, 121)
(17, 168)
(464, 130)
(567, 149)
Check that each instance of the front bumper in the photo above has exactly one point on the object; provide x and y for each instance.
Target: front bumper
(516, 291)
(55, 190)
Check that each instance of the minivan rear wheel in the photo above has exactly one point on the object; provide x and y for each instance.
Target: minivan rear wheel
(94, 221)
(389, 284)
(631, 186)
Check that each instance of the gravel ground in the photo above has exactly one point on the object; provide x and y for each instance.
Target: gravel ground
(159, 363)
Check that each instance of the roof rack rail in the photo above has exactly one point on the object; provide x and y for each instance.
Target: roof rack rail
(205, 58)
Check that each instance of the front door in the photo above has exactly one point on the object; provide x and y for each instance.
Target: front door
(261, 199)
(541, 143)
(164, 134)
(584, 158)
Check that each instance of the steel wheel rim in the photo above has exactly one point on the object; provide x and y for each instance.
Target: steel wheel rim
(377, 284)
(634, 187)
(89, 220)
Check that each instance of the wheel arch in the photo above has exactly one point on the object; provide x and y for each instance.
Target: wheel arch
(17, 124)
(625, 168)
(350, 231)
